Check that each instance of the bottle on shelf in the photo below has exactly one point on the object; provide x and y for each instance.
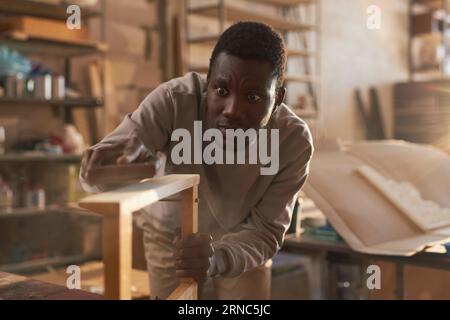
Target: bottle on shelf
(6, 196)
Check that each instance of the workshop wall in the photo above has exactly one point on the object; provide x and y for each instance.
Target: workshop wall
(350, 52)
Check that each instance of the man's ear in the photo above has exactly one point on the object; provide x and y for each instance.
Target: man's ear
(281, 94)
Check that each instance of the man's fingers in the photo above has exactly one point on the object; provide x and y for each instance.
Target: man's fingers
(193, 240)
(86, 156)
(201, 264)
(191, 273)
(122, 160)
(194, 252)
(104, 155)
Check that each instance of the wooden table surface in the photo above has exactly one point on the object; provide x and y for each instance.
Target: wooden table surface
(15, 287)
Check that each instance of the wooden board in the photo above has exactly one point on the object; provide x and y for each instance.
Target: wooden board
(287, 2)
(425, 214)
(239, 13)
(121, 173)
(15, 287)
(140, 195)
(92, 279)
(187, 290)
(117, 207)
(44, 28)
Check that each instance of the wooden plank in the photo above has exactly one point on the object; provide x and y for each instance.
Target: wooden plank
(299, 53)
(97, 125)
(43, 28)
(41, 9)
(116, 252)
(427, 215)
(103, 175)
(189, 225)
(117, 207)
(187, 290)
(298, 78)
(80, 121)
(239, 13)
(77, 44)
(287, 3)
(111, 111)
(140, 195)
(15, 287)
(92, 279)
(189, 208)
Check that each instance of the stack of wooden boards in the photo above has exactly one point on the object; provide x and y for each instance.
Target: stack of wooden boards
(422, 112)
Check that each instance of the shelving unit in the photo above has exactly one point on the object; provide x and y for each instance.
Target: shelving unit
(429, 47)
(40, 9)
(31, 163)
(26, 212)
(69, 102)
(231, 12)
(29, 44)
(286, 20)
(35, 156)
(66, 50)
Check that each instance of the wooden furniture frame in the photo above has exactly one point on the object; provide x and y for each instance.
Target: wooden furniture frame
(117, 207)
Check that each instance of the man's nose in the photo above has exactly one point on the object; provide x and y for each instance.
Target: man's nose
(231, 109)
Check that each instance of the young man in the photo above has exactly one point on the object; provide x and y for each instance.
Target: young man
(243, 214)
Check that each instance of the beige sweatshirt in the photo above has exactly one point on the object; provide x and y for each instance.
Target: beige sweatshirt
(246, 213)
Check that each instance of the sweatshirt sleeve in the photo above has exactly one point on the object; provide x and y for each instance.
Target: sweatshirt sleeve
(259, 238)
(151, 124)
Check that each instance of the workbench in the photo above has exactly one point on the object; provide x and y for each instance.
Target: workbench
(15, 287)
(325, 255)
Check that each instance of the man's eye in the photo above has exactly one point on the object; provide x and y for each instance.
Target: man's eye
(253, 98)
(222, 92)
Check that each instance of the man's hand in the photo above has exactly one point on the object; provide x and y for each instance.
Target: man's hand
(123, 152)
(192, 259)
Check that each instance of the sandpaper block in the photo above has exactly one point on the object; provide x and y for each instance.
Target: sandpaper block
(112, 174)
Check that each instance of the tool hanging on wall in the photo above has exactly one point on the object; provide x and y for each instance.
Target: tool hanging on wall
(373, 119)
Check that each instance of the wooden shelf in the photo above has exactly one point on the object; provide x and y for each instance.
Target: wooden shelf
(199, 69)
(42, 264)
(30, 44)
(78, 102)
(39, 156)
(306, 114)
(210, 40)
(50, 209)
(204, 40)
(299, 53)
(287, 3)
(41, 10)
(237, 13)
(298, 78)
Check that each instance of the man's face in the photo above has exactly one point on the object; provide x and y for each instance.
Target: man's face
(241, 93)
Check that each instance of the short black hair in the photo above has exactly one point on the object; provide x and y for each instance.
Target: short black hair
(253, 40)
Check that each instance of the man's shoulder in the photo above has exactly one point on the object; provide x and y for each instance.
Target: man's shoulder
(191, 83)
(294, 131)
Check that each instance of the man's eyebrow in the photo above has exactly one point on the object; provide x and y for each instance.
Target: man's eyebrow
(256, 87)
(223, 81)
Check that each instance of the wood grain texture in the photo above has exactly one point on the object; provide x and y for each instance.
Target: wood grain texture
(187, 290)
(140, 195)
(117, 207)
(15, 287)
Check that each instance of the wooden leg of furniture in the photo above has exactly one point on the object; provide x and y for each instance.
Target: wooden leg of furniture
(117, 207)
(188, 288)
(117, 259)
